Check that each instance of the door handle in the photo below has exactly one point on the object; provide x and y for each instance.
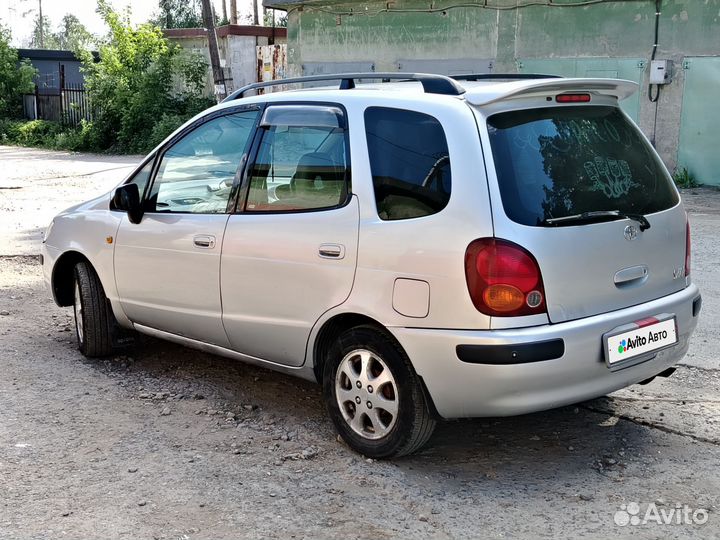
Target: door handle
(628, 276)
(205, 241)
(331, 251)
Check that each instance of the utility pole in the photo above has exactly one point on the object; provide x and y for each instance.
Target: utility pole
(224, 8)
(255, 13)
(233, 11)
(218, 77)
(42, 37)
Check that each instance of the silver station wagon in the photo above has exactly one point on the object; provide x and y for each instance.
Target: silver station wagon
(424, 247)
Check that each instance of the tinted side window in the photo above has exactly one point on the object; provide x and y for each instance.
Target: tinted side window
(561, 161)
(299, 168)
(410, 163)
(196, 174)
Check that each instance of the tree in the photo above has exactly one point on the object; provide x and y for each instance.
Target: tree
(178, 14)
(270, 19)
(16, 77)
(72, 34)
(142, 87)
(42, 36)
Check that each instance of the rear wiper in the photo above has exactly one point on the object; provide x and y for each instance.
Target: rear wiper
(598, 215)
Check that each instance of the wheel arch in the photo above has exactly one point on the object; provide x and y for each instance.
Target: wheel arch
(340, 322)
(63, 278)
(329, 331)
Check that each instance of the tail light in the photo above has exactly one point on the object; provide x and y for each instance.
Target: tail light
(503, 279)
(687, 246)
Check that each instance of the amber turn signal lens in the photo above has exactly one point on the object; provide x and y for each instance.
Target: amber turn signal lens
(503, 297)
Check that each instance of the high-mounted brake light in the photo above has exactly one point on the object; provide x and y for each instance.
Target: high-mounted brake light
(572, 98)
(503, 279)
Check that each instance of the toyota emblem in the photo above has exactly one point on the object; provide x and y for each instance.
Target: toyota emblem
(631, 232)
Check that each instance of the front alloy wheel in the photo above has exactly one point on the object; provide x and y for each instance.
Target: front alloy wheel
(79, 321)
(93, 316)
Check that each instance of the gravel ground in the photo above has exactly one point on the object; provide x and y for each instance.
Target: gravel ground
(165, 442)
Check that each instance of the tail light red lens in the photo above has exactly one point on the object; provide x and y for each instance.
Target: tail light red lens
(687, 246)
(503, 279)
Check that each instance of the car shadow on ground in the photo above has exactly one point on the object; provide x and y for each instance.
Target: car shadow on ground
(552, 443)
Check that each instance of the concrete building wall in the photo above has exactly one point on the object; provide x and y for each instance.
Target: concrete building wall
(570, 40)
(237, 48)
(240, 55)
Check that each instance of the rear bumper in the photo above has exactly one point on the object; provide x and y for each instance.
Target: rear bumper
(527, 382)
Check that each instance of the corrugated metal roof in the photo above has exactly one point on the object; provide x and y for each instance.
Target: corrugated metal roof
(51, 54)
(47, 54)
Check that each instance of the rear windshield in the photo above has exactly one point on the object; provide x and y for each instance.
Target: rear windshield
(561, 161)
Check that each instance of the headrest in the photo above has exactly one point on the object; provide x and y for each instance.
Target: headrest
(314, 164)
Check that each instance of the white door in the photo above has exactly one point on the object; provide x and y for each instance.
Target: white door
(290, 252)
(167, 267)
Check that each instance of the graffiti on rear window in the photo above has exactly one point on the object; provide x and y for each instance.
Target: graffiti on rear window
(611, 176)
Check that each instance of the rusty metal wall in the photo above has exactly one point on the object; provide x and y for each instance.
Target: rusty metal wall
(272, 64)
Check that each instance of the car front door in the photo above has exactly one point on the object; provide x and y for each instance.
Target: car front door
(167, 267)
(290, 250)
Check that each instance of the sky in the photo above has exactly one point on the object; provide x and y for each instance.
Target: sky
(19, 14)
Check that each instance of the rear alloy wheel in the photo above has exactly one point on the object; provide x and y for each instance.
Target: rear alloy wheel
(374, 396)
(366, 394)
(93, 317)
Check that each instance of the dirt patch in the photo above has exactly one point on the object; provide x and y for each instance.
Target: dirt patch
(165, 442)
(702, 200)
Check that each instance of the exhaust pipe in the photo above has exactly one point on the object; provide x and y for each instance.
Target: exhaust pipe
(669, 371)
(665, 374)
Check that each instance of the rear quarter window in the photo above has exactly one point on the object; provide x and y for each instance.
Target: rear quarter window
(561, 161)
(410, 163)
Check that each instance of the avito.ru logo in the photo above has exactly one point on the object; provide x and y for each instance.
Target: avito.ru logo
(630, 343)
(631, 514)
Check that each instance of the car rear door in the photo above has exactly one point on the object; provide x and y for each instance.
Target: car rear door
(290, 250)
(167, 267)
(558, 172)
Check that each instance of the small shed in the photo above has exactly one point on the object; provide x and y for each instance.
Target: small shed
(59, 87)
(56, 69)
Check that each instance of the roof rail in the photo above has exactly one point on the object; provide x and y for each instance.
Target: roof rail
(503, 76)
(432, 84)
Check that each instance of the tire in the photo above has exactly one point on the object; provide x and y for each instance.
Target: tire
(93, 317)
(387, 415)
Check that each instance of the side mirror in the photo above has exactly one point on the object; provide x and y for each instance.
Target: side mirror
(127, 198)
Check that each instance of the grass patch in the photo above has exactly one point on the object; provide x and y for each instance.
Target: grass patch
(50, 135)
(684, 178)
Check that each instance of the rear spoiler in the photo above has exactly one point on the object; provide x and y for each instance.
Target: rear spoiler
(486, 94)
